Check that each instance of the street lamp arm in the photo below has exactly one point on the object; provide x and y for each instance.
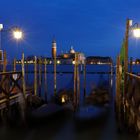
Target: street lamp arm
(135, 25)
(10, 29)
(133, 28)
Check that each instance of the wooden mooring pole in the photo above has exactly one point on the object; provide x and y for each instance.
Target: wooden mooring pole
(4, 64)
(111, 73)
(76, 82)
(14, 64)
(74, 96)
(118, 98)
(118, 82)
(131, 64)
(26, 71)
(55, 76)
(40, 76)
(85, 78)
(23, 102)
(35, 76)
(54, 55)
(23, 76)
(4, 61)
(45, 79)
(126, 55)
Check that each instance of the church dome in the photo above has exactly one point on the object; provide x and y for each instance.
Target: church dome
(72, 50)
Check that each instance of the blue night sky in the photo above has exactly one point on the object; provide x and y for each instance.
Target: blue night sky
(95, 27)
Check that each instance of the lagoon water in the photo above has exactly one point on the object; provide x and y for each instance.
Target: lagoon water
(64, 126)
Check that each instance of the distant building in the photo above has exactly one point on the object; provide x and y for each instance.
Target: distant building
(137, 61)
(68, 58)
(98, 60)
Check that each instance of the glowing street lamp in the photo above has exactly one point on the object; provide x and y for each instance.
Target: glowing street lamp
(14, 31)
(134, 27)
(17, 33)
(136, 32)
(58, 62)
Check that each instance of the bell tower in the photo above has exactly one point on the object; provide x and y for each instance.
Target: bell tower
(54, 48)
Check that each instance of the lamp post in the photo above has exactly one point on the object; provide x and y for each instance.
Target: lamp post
(1, 27)
(17, 34)
(126, 54)
(136, 32)
(126, 45)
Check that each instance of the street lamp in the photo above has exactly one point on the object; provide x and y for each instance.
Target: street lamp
(136, 33)
(17, 33)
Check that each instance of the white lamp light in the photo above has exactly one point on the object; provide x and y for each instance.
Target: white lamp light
(136, 32)
(1, 27)
(17, 34)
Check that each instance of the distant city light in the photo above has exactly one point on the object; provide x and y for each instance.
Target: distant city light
(58, 61)
(17, 34)
(73, 62)
(133, 62)
(136, 32)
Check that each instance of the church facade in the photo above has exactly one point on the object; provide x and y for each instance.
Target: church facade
(69, 57)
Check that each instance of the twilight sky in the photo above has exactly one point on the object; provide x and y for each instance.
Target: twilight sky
(94, 27)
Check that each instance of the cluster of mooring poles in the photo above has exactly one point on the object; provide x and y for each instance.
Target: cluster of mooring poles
(19, 91)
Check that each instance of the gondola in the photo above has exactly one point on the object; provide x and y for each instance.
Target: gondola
(100, 95)
(59, 104)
